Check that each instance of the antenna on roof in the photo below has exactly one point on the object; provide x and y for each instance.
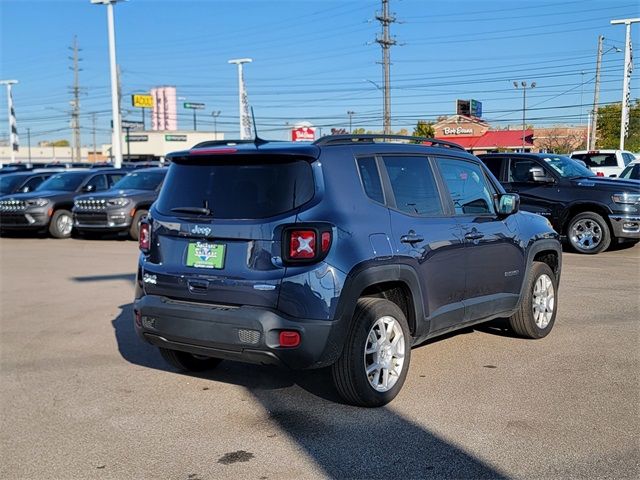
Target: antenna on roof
(256, 140)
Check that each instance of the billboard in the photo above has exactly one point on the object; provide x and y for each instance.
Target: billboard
(303, 134)
(142, 101)
(165, 111)
(469, 108)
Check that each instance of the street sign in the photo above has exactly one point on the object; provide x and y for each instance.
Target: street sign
(194, 106)
(142, 101)
(303, 134)
(136, 138)
(131, 125)
(175, 138)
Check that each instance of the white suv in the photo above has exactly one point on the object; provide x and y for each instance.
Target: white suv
(605, 163)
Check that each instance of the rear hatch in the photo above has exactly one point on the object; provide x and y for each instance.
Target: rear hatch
(217, 227)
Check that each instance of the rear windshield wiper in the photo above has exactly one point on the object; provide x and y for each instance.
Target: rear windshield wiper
(194, 210)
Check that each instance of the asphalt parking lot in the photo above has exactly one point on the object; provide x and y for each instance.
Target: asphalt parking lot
(82, 397)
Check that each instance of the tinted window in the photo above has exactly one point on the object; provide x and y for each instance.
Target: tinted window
(8, 183)
(469, 189)
(140, 181)
(33, 183)
(114, 178)
(494, 165)
(66, 182)
(519, 169)
(597, 159)
(632, 172)
(370, 178)
(237, 188)
(414, 187)
(99, 182)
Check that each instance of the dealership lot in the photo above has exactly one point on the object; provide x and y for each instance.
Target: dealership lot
(82, 397)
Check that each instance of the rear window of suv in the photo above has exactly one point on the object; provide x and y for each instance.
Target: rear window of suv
(238, 188)
(597, 159)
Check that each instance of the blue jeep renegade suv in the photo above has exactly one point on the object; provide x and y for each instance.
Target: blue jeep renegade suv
(344, 253)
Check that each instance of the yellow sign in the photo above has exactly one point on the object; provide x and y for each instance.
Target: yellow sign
(142, 101)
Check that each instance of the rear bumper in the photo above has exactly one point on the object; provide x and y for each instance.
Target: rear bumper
(625, 226)
(247, 334)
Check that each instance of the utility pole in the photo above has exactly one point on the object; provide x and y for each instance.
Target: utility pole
(245, 121)
(386, 42)
(351, 114)
(93, 132)
(116, 142)
(215, 114)
(75, 103)
(29, 142)
(523, 84)
(13, 129)
(628, 68)
(596, 98)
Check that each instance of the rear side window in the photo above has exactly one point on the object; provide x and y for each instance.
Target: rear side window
(413, 185)
(370, 179)
(597, 159)
(237, 188)
(519, 170)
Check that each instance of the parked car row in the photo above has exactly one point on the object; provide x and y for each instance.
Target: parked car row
(89, 200)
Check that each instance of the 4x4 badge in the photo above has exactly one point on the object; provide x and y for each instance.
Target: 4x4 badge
(200, 230)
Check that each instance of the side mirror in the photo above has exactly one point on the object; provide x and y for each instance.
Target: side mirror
(89, 188)
(508, 203)
(537, 174)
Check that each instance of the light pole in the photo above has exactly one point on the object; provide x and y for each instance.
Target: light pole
(626, 82)
(351, 114)
(215, 114)
(523, 84)
(116, 142)
(245, 122)
(29, 142)
(13, 131)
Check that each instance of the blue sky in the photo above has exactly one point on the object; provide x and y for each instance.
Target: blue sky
(314, 60)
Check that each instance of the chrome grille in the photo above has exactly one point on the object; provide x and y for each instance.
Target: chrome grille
(91, 205)
(13, 205)
(249, 336)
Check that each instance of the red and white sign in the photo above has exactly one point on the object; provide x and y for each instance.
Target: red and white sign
(303, 134)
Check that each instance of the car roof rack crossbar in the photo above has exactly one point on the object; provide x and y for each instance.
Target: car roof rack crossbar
(346, 139)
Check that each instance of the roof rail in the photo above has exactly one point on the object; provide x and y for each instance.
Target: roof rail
(346, 139)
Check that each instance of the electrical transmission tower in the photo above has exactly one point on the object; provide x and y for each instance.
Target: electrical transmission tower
(386, 42)
(75, 103)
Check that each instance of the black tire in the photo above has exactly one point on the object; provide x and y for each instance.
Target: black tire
(349, 374)
(523, 322)
(599, 225)
(188, 362)
(134, 230)
(54, 225)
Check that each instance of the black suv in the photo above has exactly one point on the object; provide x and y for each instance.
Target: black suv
(122, 207)
(590, 211)
(343, 253)
(49, 205)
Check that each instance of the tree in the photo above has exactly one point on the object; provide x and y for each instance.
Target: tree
(359, 131)
(560, 139)
(608, 135)
(424, 129)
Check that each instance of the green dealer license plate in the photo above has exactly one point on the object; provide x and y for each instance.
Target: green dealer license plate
(205, 255)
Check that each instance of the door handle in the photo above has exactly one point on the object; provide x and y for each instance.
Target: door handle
(411, 237)
(474, 235)
(198, 286)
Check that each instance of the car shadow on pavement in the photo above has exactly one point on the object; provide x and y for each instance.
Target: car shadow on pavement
(344, 441)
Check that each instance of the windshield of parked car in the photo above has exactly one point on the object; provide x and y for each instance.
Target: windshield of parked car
(64, 182)
(566, 167)
(8, 183)
(140, 181)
